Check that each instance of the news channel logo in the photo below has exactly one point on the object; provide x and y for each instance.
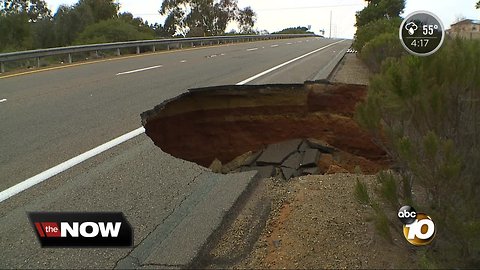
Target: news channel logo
(418, 228)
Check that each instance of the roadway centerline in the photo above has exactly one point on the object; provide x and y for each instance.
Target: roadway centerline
(45, 175)
(138, 70)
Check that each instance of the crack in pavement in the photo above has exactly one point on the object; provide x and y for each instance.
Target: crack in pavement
(137, 261)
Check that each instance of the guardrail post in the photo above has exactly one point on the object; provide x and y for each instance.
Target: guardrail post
(38, 62)
(138, 49)
(2, 67)
(192, 45)
(181, 45)
(218, 42)
(118, 51)
(168, 47)
(96, 54)
(69, 58)
(153, 48)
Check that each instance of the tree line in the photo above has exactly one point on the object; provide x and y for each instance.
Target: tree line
(30, 24)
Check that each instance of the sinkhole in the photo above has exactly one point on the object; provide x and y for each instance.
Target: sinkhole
(230, 128)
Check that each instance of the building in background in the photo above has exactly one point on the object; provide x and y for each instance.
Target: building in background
(469, 29)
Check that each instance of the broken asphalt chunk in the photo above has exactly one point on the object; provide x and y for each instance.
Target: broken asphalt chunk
(323, 146)
(275, 154)
(310, 158)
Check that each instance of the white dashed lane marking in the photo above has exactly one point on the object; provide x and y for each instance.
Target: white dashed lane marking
(138, 70)
(3, 100)
(252, 49)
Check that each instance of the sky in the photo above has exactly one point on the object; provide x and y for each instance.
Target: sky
(275, 15)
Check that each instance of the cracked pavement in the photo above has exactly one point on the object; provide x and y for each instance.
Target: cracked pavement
(161, 209)
(53, 116)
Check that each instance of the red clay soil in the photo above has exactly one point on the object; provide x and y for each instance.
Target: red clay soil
(225, 122)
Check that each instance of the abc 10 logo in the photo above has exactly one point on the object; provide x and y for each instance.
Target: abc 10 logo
(418, 228)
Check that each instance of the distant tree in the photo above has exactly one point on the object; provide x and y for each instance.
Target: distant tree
(204, 17)
(295, 30)
(246, 20)
(159, 30)
(34, 9)
(113, 30)
(138, 23)
(373, 29)
(16, 19)
(69, 21)
(99, 9)
(378, 9)
(42, 34)
(14, 32)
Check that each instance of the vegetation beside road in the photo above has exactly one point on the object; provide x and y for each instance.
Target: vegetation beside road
(295, 30)
(424, 113)
(30, 24)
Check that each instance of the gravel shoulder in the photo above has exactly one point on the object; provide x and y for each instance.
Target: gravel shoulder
(351, 70)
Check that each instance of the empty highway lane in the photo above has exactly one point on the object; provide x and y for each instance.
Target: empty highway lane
(52, 116)
(49, 117)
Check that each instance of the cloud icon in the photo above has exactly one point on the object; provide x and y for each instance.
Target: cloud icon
(411, 27)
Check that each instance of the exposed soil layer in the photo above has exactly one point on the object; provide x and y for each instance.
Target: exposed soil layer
(227, 121)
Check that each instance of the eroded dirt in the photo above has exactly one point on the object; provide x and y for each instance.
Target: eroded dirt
(227, 121)
(316, 223)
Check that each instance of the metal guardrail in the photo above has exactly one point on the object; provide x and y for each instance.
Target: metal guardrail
(37, 54)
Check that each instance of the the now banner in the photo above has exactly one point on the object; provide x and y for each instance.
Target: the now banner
(82, 229)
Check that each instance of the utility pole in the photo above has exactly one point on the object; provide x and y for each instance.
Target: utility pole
(330, 32)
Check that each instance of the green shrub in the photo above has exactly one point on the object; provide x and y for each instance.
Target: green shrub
(113, 30)
(373, 29)
(361, 193)
(380, 48)
(427, 109)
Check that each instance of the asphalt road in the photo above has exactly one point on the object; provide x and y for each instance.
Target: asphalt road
(52, 116)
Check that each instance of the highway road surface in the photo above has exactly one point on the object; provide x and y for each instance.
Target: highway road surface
(49, 117)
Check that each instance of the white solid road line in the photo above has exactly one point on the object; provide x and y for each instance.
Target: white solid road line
(3, 100)
(39, 178)
(273, 46)
(286, 63)
(138, 70)
(252, 49)
(30, 182)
